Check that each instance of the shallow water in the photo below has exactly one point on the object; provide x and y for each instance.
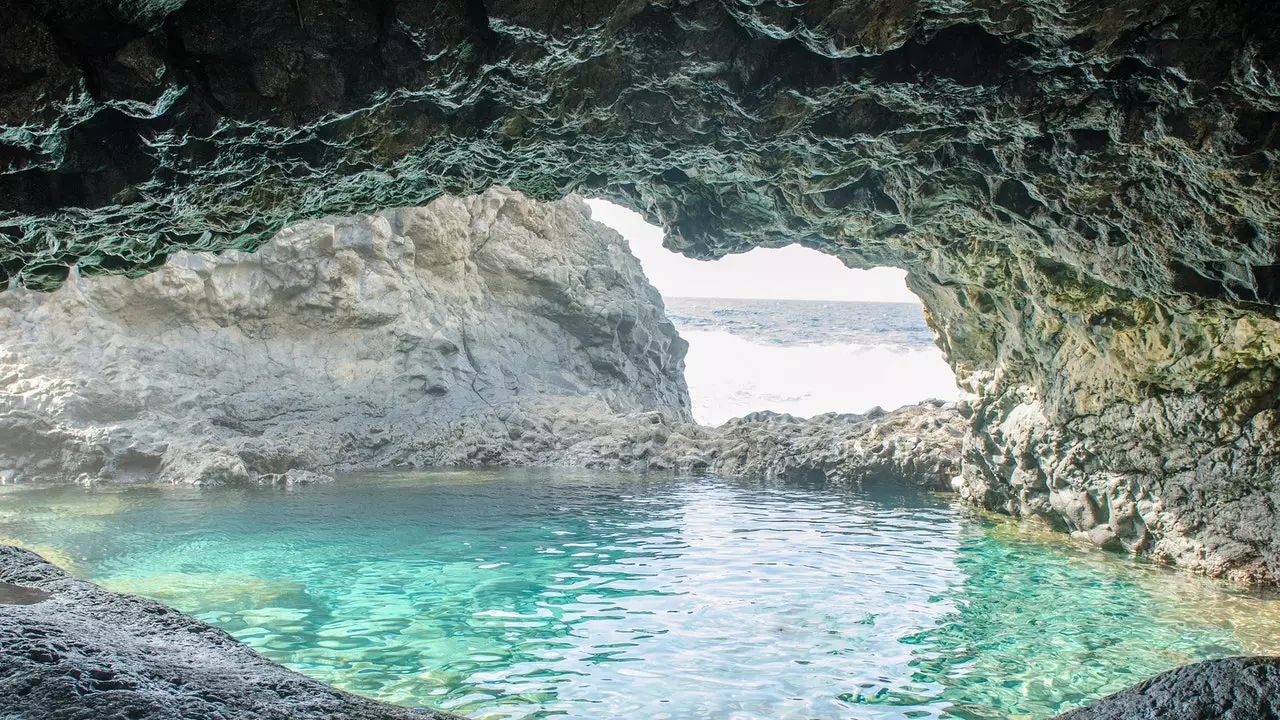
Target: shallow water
(530, 594)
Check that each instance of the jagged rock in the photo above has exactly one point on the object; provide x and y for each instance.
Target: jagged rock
(86, 653)
(493, 330)
(1084, 194)
(914, 446)
(1228, 689)
(412, 337)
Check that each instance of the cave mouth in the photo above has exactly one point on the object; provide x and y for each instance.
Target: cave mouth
(789, 330)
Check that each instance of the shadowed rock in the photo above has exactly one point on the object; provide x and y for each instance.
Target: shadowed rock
(87, 653)
(11, 594)
(1229, 689)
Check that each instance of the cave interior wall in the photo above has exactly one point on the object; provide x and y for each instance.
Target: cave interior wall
(1084, 194)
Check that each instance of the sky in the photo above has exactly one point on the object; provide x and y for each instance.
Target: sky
(790, 273)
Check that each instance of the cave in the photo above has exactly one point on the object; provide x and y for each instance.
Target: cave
(1083, 194)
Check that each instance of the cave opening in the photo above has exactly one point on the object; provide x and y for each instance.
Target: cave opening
(789, 330)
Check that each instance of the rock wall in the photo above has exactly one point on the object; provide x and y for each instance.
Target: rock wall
(410, 337)
(1084, 193)
(489, 330)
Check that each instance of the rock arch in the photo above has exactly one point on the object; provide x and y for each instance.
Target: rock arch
(1084, 193)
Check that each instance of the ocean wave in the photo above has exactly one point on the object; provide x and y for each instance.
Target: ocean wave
(730, 376)
(801, 322)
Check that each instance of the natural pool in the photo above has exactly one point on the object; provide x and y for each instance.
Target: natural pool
(529, 594)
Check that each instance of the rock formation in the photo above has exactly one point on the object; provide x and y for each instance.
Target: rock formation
(490, 330)
(1083, 193)
(412, 337)
(85, 653)
(1228, 689)
(914, 446)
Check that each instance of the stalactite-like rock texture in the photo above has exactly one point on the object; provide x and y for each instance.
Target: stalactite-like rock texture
(1084, 191)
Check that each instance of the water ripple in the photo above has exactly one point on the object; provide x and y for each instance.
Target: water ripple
(535, 594)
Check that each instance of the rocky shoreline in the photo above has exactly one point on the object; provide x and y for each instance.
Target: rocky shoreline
(86, 653)
(492, 330)
(80, 652)
(1083, 195)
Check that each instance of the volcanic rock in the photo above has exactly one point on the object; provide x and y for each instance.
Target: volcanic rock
(85, 653)
(1083, 193)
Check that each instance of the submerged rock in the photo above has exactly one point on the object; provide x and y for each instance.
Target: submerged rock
(1229, 689)
(85, 653)
(82, 652)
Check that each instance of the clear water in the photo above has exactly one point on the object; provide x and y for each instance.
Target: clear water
(806, 358)
(532, 594)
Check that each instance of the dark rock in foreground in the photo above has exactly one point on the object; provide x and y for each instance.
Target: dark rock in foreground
(90, 654)
(87, 653)
(1240, 688)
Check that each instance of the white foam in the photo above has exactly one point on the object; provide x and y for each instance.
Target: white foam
(730, 376)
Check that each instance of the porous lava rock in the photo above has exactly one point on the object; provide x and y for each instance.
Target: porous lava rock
(1084, 193)
(916, 446)
(86, 653)
(1237, 688)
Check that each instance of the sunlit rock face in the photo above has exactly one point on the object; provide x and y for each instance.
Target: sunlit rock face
(1084, 193)
(418, 336)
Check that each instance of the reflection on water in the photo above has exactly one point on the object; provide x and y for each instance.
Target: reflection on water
(543, 593)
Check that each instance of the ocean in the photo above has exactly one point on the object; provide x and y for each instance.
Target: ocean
(806, 358)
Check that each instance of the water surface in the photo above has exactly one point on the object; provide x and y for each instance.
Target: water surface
(807, 358)
(537, 594)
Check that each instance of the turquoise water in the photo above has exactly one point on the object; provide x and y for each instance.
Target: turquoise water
(532, 594)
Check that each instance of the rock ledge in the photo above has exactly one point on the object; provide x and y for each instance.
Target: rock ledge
(87, 654)
(1238, 688)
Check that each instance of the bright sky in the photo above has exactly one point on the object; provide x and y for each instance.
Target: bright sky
(790, 273)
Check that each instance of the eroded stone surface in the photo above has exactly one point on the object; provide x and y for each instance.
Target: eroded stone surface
(1228, 689)
(404, 338)
(87, 653)
(913, 446)
(493, 330)
(1084, 193)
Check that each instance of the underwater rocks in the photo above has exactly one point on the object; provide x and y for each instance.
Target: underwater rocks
(1229, 689)
(85, 653)
(397, 339)
(80, 652)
